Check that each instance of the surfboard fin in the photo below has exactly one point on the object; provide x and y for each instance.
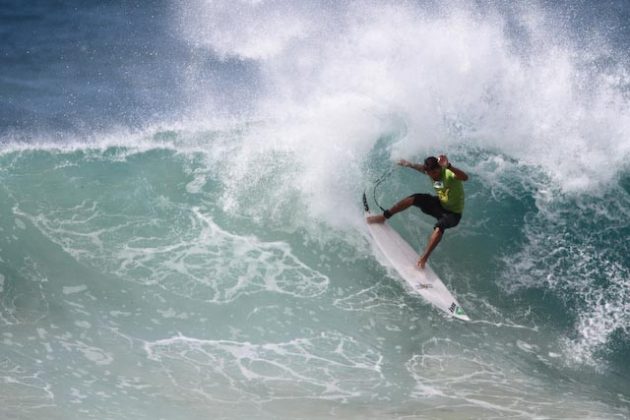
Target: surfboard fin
(365, 203)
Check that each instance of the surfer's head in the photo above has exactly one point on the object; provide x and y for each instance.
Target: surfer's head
(432, 168)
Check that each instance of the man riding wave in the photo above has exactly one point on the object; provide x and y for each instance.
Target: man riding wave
(447, 206)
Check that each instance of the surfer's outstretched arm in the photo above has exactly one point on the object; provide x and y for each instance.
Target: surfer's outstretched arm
(434, 240)
(417, 166)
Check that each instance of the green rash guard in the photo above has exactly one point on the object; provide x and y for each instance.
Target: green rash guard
(450, 191)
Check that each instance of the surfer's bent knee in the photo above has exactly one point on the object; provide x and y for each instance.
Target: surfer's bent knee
(447, 221)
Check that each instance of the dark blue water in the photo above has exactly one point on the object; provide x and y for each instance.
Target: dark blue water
(181, 231)
(69, 67)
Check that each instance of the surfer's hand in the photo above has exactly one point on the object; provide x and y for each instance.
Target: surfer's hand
(405, 163)
(443, 161)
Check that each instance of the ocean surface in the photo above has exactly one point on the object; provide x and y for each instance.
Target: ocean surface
(182, 233)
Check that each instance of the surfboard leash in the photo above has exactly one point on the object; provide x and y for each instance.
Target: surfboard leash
(378, 182)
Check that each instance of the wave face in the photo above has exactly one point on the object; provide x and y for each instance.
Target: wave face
(181, 230)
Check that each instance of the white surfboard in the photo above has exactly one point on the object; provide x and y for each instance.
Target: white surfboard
(422, 281)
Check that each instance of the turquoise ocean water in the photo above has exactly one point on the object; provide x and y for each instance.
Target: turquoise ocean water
(181, 227)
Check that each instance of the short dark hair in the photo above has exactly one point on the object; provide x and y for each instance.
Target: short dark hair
(431, 163)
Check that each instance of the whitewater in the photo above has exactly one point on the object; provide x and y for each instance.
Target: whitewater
(182, 232)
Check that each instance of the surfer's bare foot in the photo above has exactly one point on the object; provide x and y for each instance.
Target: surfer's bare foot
(376, 218)
(422, 262)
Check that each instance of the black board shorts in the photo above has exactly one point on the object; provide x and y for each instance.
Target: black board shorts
(430, 204)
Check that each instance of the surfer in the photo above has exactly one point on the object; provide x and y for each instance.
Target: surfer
(446, 207)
